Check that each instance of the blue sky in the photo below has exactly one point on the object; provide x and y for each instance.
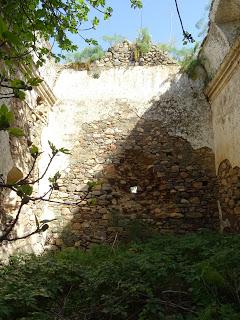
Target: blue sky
(159, 16)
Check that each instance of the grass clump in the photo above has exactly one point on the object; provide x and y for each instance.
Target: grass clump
(166, 277)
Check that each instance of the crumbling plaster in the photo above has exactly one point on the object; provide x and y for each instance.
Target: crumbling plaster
(223, 31)
(224, 96)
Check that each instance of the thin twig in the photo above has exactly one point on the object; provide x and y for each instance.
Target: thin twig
(5, 235)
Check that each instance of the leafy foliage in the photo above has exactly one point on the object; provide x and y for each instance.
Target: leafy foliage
(88, 54)
(192, 277)
(190, 62)
(6, 119)
(143, 41)
(24, 38)
(186, 57)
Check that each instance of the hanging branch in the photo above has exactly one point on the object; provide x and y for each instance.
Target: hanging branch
(187, 37)
(24, 189)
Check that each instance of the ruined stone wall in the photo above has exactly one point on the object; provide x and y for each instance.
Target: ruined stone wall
(144, 135)
(221, 55)
(223, 32)
(15, 160)
(126, 54)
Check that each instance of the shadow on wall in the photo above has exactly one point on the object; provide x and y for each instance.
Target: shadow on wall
(147, 175)
(229, 196)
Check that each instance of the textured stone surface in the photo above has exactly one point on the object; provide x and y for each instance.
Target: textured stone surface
(229, 196)
(124, 55)
(176, 185)
(131, 129)
(15, 160)
(223, 32)
(141, 130)
(221, 56)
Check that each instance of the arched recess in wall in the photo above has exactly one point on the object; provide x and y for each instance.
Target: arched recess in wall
(227, 18)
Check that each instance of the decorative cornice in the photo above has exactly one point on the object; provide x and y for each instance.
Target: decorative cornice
(228, 67)
(43, 89)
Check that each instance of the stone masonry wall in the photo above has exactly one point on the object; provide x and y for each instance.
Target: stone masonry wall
(126, 54)
(229, 196)
(176, 185)
(144, 128)
(221, 56)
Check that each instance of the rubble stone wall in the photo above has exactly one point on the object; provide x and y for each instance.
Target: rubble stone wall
(144, 135)
(126, 54)
(221, 55)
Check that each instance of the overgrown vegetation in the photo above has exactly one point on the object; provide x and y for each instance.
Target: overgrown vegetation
(186, 57)
(166, 277)
(143, 41)
(87, 55)
(26, 27)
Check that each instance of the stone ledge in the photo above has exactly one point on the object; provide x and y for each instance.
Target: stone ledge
(228, 67)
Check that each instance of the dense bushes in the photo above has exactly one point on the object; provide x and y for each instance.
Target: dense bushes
(167, 277)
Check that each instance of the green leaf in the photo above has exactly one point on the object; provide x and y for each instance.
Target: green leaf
(24, 190)
(10, 37)
(35, 81)
(92, 202)
(136, 4)
(34, 151)
(19, 94)
(53, 180)
(53, 148)
(16, 132)
(64, 150)
(92, 185)
(95, 22)
(6, 117)
(17, 83)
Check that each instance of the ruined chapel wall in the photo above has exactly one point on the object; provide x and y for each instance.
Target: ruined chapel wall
(224, 95)
(223, 32)
(144, 127)
(31, 116)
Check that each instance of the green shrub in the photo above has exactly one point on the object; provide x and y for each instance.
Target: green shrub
(143, 41)
(88, 54)
(187, 58)
(166, 277)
